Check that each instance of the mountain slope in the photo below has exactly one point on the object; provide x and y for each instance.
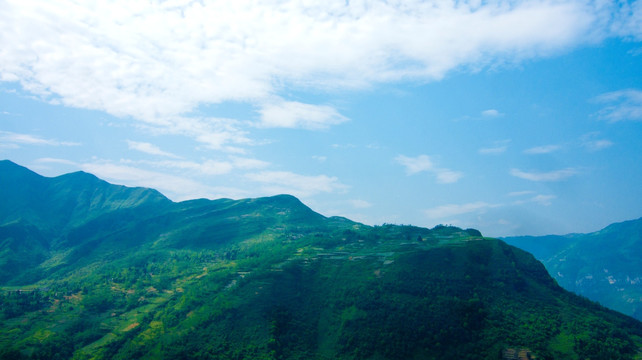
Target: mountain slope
(56, 204)
(50, 212)
(269, 278)
(604, 266)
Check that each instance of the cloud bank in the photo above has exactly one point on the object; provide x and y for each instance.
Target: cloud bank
(156, 61)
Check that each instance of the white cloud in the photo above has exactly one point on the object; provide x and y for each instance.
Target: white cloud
(291, 114)
(248, 163)
(285, 182)
(499, 148)
(621, 105)
(176, 187)
(156, 61)
(446, 211)
(545, 200)
(56, 161)
(592, 142)
(597, 145)
(446, 176)
(545, 149)
(213, 133)
(493, 151)
(360, 204)
(415, 165)
(207, 167)
(520, 193)
(12, 138)
(148, 148)
(9, 146)
(481, 207)
(423, 163)
(556, 175)
(343, 146)
(491, 113)
(628, 21)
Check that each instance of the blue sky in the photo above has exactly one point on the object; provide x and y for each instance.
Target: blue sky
(512, 117)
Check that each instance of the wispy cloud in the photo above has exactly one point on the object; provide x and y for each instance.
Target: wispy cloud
(360, 204)
(592, 142)
(7, 113)
(416, 164)
(491, 113)
(521, 193)
(291, 114)
(597, 145)
(28, 139)
(545, 200)
(481, 207)
(482, 115)
(343, 146)
(423, 163)
(56, 161)
(176, 187)
(621, 105)
(213, 133)
(248, 163)
(499, 147)
(447, 176)
(627, 20)
(207, 167)
(493, 150)
(148, 148)
(285, 182)
(544, 149)
(556, 175)
(541, 199)
(446, 211)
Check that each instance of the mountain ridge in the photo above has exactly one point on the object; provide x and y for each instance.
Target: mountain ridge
(603, 265)
(269, 278)
(91, 194)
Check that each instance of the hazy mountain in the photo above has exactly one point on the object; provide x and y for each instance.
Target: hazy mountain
(605, 266)
(93, 270)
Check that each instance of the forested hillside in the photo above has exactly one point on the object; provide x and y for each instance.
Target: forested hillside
(604, 266)
(91, 270)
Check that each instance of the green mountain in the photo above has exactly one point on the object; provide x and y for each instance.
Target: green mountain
(97, 271)
(605, 266)
(39, 217)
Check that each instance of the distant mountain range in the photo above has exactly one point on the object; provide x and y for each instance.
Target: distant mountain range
(99, 271)
(605, 266)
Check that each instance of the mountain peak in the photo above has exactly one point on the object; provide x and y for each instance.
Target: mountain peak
(56, 202)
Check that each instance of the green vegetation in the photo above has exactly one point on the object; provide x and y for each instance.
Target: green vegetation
(605, 266)
(269, 278)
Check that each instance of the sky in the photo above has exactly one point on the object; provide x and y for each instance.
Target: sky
(511, 117)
